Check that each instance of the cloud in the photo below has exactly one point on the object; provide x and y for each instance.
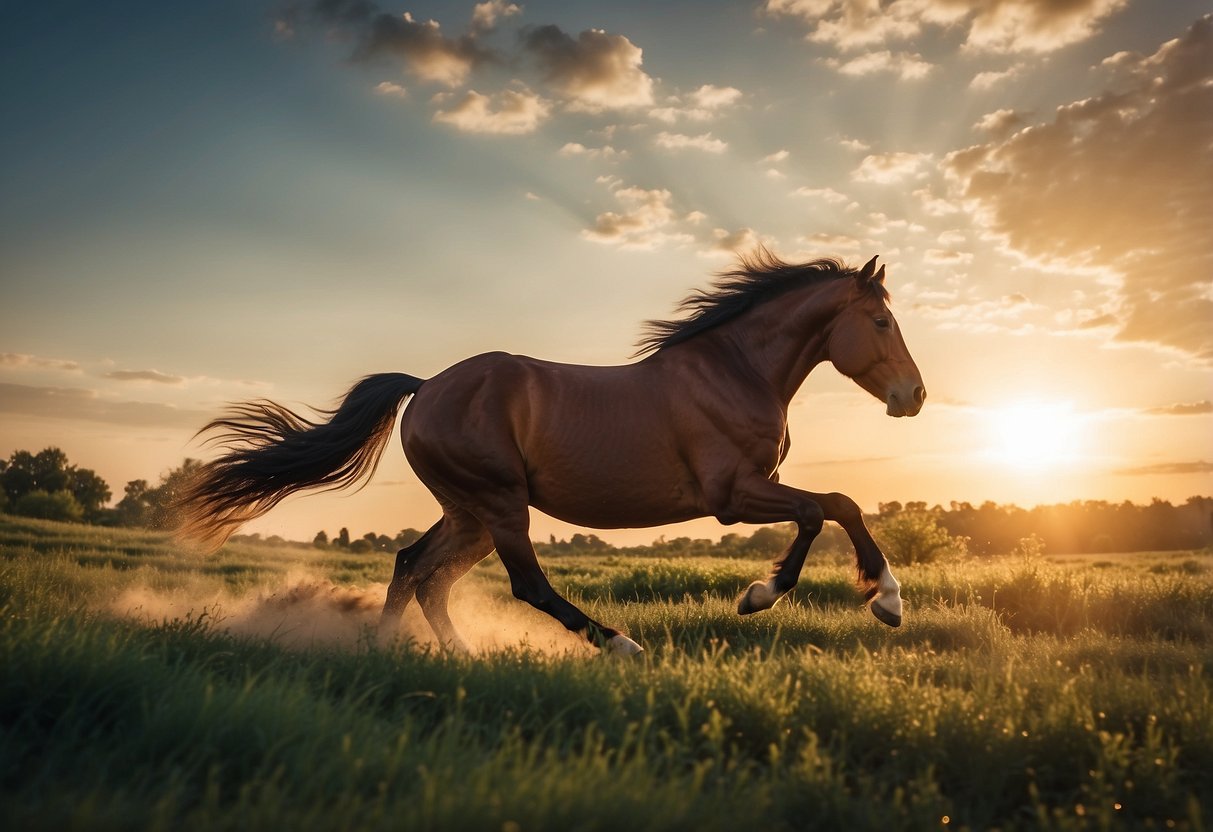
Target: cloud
(604, 152)
(424, 49)
(776, 157)
(908, 67)
(985, 80)
(886, 168)
(990, 25)
(595, 72)
(1001, 315)
(1198, 467)
(677, 141)
(89, 406)
(1121, 182)
(145, 375)
(1000, 123)
(24, 360)
(508, 112)
(391, 89)
(829, 243)
(946, 257)
(733, 242)
(485, 15)
(647, 220)
(1183, 409)
(704, 103)
(827, 194)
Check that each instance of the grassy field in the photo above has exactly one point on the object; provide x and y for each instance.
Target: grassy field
(142, 687)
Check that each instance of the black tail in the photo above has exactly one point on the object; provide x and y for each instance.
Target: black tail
(273, 452)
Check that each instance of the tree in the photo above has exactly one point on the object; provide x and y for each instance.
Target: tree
(55, 505)
(321, 540)
(50, 472)
(914, 537)
(343, 538)
(155, 508)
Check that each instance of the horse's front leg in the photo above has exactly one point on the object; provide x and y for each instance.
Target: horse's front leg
(875, 577)
(762, 501)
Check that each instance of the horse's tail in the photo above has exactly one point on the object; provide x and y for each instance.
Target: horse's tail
(272, 452)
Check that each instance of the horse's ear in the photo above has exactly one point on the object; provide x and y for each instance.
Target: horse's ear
(879, 278)
(869, 269)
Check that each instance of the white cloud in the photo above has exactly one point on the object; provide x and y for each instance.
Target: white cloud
(1000, 122)
(579, 149)
(985, 80)
(678, 141)
(1120, 181)
(485, 15)
(991, 25)
(776, 157)
(827, 194)
(887, 168)
(906, 66)
(23, 360)
(513, 112)
(704, 103)
(391, 90)
(647, 219)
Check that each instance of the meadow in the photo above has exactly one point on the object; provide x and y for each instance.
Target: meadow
(146, 687)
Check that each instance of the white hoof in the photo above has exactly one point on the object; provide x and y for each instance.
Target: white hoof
(759, 596)
(886, 605)
(621, 645)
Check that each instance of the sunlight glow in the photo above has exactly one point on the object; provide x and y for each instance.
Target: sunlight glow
(1035, 435)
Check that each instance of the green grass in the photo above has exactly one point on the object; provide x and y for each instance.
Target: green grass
(1064, 693)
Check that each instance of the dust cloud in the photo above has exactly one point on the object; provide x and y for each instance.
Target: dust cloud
(302, 611)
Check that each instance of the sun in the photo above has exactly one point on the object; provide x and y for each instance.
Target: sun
(1035, 435)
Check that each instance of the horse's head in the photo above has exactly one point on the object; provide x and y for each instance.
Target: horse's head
(866, 345)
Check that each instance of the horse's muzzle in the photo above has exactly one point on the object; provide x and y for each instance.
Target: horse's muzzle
(905, 401)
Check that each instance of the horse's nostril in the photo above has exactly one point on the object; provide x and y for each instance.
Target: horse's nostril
(920, 394)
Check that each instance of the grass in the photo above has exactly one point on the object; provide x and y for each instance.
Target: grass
(1063, 693)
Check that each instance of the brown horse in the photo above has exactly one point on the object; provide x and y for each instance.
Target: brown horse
(696, 428)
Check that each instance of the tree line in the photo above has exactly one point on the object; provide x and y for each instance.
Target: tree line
(47, 485)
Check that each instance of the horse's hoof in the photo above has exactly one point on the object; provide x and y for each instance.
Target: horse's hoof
(756, 598)
(621, 645)
(884, 616)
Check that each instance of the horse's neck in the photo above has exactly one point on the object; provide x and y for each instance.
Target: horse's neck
(783, 339)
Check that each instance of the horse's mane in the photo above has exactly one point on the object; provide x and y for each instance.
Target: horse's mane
(757, 277)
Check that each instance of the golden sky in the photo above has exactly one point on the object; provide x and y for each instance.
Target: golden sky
(202, 205)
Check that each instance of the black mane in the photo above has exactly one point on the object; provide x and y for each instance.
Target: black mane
(756, 278)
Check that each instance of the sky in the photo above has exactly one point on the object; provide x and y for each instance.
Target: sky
(211, 202)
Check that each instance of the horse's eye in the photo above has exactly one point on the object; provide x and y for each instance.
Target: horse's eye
(882, 323)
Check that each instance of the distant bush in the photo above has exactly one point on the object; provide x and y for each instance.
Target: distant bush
(55, 505)
(916, 537)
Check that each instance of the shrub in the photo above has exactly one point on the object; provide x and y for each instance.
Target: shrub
(56, 505)
(916, 537)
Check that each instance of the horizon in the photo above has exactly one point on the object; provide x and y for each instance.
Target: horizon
(289, 199)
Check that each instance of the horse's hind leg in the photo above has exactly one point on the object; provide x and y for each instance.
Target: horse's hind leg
(434, 590)
(511, 536)
(454, 543)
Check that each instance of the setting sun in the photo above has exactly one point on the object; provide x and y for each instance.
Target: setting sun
(1035, 435)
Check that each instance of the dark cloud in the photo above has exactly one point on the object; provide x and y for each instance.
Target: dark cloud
(596, 71)
(425, 50)
(1121, 181)
(1200, 467)
(1183, 409)
(87, 405)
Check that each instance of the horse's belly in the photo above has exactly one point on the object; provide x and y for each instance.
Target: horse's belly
(637, 493)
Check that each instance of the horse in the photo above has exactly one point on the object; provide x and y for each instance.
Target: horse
(697, 427)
